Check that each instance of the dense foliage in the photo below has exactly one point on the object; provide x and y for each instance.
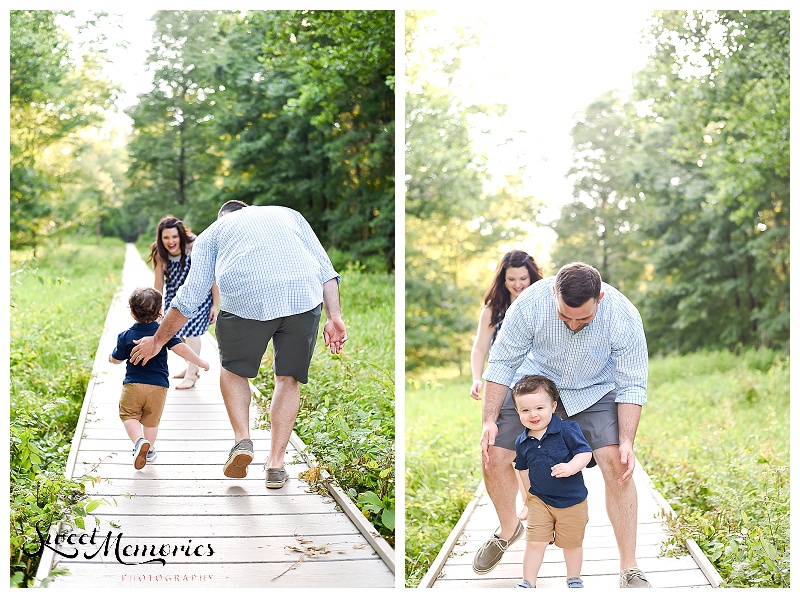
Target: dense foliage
(682, 190)
(54, 100)
(714, 437)
(59, 303)
(293, 108)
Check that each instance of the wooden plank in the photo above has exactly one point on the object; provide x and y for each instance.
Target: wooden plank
(236, 504)
(250, 486)
(690, 578)
(99, 548)
(223, 524)
(308, 574)
(164, 458)
(601, 556)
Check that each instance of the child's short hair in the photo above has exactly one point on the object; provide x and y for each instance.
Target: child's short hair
(145, 304)
(531, 384)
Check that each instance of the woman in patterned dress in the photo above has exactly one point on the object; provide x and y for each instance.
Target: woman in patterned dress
(171, 254)
(516, 272)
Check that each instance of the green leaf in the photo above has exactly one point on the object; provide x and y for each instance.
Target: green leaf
(387, 518)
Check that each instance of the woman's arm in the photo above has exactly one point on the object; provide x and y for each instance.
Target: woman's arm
(158, 271)
(480, 349)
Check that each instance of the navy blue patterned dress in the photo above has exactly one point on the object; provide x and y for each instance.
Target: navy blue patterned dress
(198, 325)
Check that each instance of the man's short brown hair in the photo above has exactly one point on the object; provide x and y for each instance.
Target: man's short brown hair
(145, 304)
(577, 282)
(528, 385)
(230, 206)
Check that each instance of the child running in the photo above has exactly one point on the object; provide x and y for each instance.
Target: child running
(144, 389)
(553, 451)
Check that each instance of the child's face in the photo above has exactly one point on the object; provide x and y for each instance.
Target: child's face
(536, 410)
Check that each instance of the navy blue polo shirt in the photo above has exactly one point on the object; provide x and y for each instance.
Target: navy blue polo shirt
(562, 440)
(155, 371)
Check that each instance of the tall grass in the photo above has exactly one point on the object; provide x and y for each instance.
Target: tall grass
(714, 437)
(59, 301)
(442, 467)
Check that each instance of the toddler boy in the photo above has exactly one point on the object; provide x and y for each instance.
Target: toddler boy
(553, 451)
(144, 389)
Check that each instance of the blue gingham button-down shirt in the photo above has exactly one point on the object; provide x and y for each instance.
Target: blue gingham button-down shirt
(610, 353)
(267, 262)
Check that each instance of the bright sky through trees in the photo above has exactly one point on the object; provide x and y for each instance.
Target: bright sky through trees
(545, 65)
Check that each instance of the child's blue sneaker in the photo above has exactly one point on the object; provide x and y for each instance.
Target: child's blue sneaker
(140, 453)
(574, 582)
(151, 455)
(525, 584)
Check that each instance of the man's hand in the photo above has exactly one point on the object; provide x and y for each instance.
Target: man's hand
(487, 439)
(626, 457)
(335, 334)
(145, 349)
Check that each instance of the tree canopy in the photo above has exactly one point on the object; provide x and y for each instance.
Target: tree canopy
(293, 108)
(682, 190)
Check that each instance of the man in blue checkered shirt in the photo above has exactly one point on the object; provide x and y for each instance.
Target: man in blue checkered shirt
(274, 279)
(588, 338)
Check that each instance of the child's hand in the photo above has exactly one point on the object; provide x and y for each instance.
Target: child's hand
(203, 364)
(562, 470)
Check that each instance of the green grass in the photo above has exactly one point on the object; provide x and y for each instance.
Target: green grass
(59, 302)
(714, 437)
(443, 471)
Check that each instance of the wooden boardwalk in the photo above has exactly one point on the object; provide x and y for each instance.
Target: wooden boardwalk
(211, 531)
(453, 566)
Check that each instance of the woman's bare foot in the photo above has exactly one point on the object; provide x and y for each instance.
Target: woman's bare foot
(188, 382)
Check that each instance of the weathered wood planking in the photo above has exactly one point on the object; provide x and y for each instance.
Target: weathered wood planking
(182, 502)
(453, 566)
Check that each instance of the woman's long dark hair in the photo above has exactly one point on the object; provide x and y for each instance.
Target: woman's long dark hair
(498, 297)
(157, 248)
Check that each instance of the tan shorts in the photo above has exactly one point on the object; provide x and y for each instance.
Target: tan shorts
(142, 402)
(568, 524)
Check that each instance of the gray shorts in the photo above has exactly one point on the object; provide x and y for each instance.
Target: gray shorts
(598, 422)
(242, 343)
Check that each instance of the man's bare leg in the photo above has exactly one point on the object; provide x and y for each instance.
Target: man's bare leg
(236, 395)
(502, 485)
(282, 415)
(621, 503)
